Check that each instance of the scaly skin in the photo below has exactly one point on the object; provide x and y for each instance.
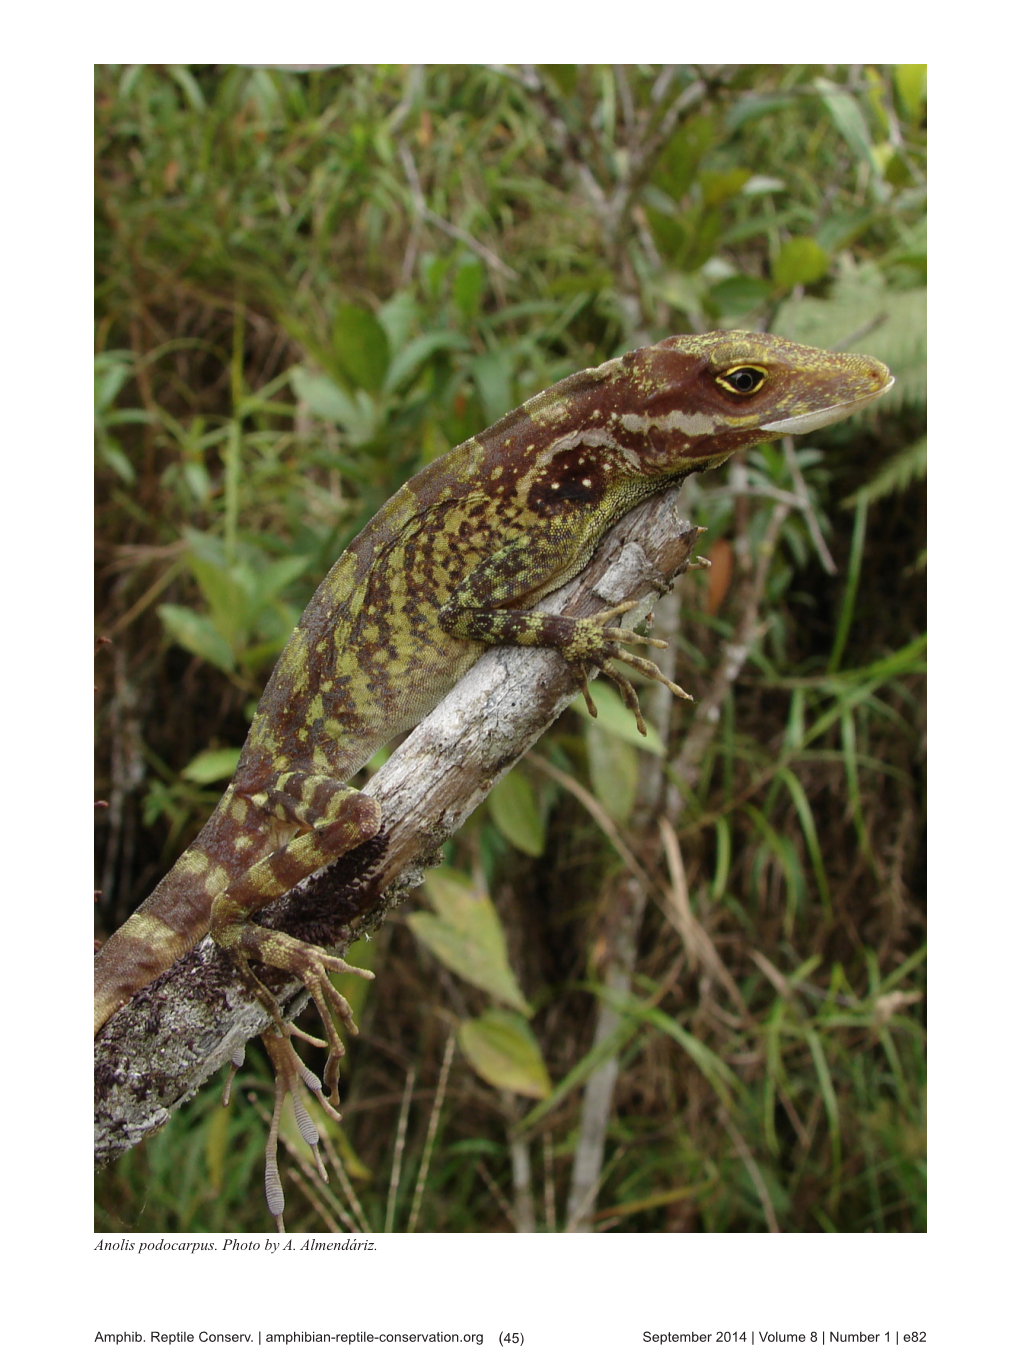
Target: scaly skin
(448, 567)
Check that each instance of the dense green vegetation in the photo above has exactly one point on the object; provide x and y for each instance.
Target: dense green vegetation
(312, 282)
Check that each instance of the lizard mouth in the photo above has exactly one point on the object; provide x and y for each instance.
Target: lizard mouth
(808, 422)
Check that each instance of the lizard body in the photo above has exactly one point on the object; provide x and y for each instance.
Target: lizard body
(451, 565)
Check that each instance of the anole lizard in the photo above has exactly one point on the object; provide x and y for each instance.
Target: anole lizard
(448, 567)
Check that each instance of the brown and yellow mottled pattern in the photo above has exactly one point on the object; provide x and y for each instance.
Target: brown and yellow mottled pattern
(451, 565)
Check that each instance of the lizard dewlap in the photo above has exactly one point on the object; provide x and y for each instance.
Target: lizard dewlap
(453, 564)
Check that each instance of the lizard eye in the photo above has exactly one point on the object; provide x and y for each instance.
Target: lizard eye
(742, 379)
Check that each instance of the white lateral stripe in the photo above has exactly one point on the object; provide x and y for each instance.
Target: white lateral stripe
(691, 424)
(808, 422)
(589, 437)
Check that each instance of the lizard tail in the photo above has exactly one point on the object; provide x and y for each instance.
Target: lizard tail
(132, 957)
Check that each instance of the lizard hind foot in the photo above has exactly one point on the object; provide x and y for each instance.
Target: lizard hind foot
(290, 1072)
(312, 965)
(331, 1005)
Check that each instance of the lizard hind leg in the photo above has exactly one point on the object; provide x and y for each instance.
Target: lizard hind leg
(345, 820)
(339, 820)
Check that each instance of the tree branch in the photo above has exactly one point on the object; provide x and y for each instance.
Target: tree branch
(156, 1052)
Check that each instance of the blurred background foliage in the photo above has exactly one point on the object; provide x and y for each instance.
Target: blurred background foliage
(663, 986)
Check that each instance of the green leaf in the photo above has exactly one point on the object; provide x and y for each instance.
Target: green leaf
(799, 261)
(189, 86)
(613, 767)
(739, 294)
(197, 635)
(492, 373)
(846, 114)
(828, 1093)
(678, 161)
(412, 357)
(718, 186)
(224, 592)
(681, 291)
(212, 766)
(723, 851)
(714, 1069)
(217, 1147)
(670, 231)
(455, 900)
(502, 1049)
(468, 957)
(707, 232)
(807, 822)
(893, 166)
(467, 936)
(895, 474)
(754, 107)
(111, 373)
(327, 400)
(280, 573)
(911, 82)
(398, 315)
(565, 77)
(113, 454)
(361, 347)
(467, 287)
(514, 809)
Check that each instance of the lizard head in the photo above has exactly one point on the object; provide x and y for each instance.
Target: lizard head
(726, 390)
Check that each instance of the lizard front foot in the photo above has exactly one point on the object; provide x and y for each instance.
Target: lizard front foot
(595, 644)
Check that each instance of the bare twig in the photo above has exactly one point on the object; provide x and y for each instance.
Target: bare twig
(625, 906)
(520, 1170)
(709, 709)
(696, 940)
(852, 338)
(424, 212)
(807, 508)
(398, 1150)
(549, 1186)
(626, 101)
(497, 1196)
(437, 1107)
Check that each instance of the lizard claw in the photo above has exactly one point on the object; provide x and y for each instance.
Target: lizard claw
(627, 690)
(581, 680)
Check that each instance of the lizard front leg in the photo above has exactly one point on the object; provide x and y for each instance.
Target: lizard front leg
(481, 609)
